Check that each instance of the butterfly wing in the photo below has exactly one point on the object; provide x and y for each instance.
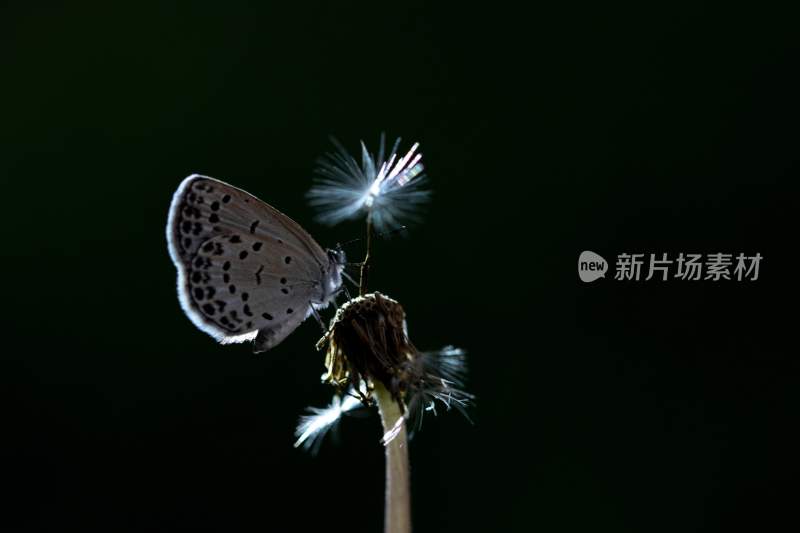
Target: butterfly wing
(245, 270)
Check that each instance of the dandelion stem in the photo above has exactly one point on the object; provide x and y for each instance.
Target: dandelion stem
(397, 517)
(362, 285)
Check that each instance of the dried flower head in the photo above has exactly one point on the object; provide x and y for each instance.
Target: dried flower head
(368, 342)
(386, 188)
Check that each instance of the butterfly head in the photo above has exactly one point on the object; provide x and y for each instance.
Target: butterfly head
(337, 257)
(336, 263)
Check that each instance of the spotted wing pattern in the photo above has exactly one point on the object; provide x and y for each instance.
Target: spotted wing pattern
(245, 270)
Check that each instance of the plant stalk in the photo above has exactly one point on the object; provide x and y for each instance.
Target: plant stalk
(362, 285)
(397, 514)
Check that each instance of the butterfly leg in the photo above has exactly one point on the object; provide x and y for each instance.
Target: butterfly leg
(319, 319)
(342, 290)
(344, 286)
(346, 292)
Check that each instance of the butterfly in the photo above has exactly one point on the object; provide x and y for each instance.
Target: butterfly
(246, 271)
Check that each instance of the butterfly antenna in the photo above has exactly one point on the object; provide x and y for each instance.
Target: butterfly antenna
(382, 234)
(391, 232)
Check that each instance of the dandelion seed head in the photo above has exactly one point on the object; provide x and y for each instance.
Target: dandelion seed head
(389, 188)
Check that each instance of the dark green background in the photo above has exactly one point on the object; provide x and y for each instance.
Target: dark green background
(660, 406)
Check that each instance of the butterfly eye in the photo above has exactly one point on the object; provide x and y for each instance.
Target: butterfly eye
(337, 256)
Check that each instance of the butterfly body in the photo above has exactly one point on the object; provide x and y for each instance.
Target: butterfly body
(246, 271)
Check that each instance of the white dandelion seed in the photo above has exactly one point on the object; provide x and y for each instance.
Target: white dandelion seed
(313, 427)
(389, 189)
(443, 373)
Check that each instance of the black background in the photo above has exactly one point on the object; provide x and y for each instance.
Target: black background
(611, 406)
